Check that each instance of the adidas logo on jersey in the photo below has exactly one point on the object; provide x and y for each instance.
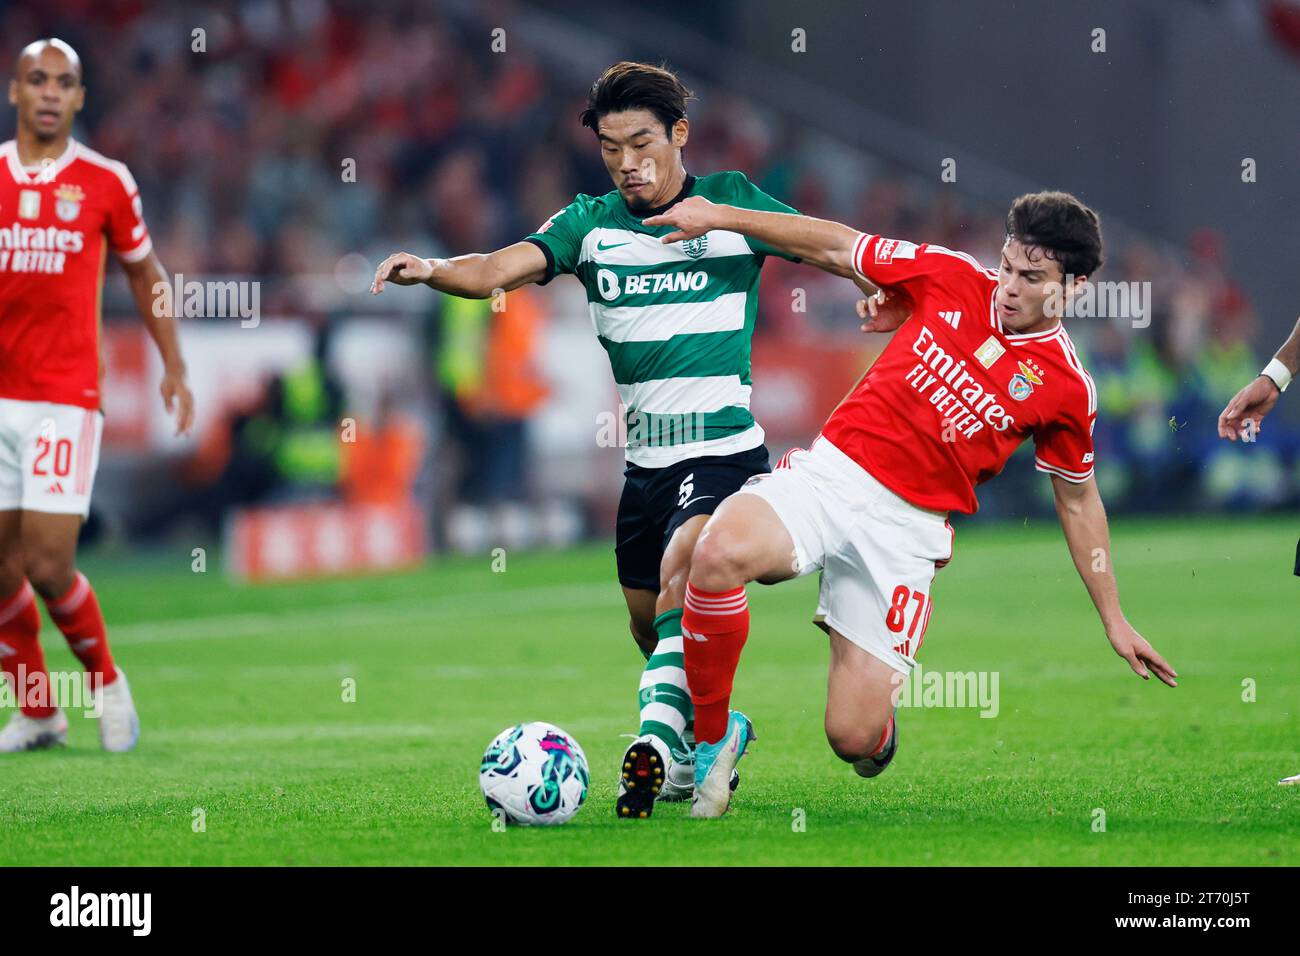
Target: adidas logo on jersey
(952, 318)
(55, 489)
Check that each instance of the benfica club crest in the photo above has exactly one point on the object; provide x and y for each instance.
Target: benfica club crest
(67, 202)
(696, 247)
(1022, 383)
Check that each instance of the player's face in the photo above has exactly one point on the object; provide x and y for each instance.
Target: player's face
(1027, 279)
(641, 156)
(48, 93)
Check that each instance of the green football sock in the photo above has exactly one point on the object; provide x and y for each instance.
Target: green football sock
(665, 700)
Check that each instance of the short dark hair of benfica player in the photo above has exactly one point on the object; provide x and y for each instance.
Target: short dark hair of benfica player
(1060, 225)
(637, 86)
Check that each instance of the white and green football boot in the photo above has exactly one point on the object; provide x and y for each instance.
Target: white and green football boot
(646, 766)
(638, 776)
(716, 763)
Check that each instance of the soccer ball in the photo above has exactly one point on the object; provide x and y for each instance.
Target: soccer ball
(535, 774)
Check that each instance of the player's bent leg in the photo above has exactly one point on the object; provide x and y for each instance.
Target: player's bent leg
(658, 763)
(636, 556)
(641, 616)
(676, 564)
(49, 543)
(861, 695)
(744, 541)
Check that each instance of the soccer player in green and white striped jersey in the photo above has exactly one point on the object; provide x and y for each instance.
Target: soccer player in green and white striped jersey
(676, 321)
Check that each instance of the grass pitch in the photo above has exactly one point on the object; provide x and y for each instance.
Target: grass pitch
(240, 691)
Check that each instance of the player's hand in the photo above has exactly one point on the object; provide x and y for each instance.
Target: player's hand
(401, 268)
(178, 399)
(1139, 653)
(693, 216)
(883, 311)
(1253, 402)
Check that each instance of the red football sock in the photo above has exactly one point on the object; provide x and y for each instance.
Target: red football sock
(78, 616)
(715, 626)
(21, 656)
(884, 737)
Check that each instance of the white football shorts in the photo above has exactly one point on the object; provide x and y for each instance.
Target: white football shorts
(48, 456)
(877, 553)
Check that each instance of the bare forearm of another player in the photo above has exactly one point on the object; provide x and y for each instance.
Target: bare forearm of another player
(1289, 353)
(1083, 518)
(472, 276)
(479, 276)
(819, 242)
(1087, 533)
(145, 278)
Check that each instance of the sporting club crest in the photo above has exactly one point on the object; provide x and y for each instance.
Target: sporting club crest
(696, 247)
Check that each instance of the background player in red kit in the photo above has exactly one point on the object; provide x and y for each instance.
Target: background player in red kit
(981, 364)
(62, 206)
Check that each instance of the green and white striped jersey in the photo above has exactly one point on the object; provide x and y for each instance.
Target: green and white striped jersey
(677, 320)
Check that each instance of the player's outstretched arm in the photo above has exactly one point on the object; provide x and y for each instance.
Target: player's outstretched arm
(1083, 518)
(819, 242)
(147, 277)
(475, 276)
(1258, 398)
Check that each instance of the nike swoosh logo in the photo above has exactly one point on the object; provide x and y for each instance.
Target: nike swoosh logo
(700, 498)
(601, 247)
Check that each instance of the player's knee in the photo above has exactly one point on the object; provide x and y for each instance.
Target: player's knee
(852, 742)
(51, 574)
(719, 561)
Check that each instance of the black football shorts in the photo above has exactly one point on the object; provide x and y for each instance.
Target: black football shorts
(656, 501)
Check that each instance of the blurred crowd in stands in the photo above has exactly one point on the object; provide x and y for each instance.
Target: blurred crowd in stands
(241, 151)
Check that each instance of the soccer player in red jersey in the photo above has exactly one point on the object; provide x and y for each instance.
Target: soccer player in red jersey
(982, 363)
(62, 207)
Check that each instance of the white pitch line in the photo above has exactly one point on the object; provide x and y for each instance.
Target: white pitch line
(305, 673)
(297, 621)
(292, 733)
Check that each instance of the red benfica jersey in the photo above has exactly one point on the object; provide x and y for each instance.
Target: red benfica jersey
(953, 394)
(56, 225)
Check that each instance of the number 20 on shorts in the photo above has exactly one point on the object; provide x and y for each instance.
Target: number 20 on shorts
(62, 459)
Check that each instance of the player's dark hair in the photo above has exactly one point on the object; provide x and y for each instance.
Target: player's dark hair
(1063, 227)
(637, 86)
